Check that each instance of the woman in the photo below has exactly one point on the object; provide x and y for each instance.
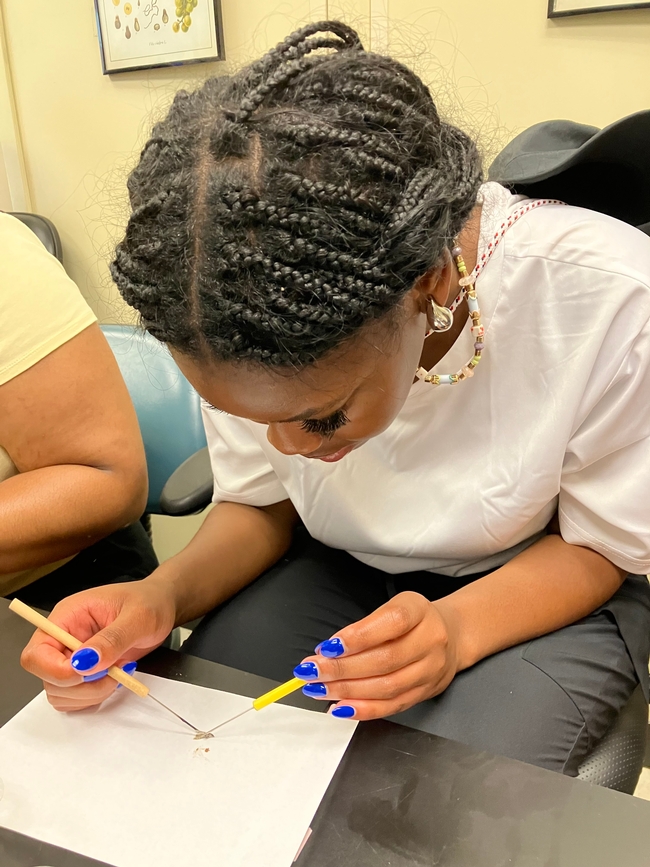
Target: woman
(73, 477)
(301, 238)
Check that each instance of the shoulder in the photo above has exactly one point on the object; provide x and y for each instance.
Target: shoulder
(41, 307)
(594, 249)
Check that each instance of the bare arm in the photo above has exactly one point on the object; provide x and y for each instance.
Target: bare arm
(70, 428)
(547, 586)
(234, 545)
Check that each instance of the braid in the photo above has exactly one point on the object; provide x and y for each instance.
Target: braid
(277, 211)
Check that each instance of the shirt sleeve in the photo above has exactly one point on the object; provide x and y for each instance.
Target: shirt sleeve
(40, 306)
(604, 502)
(240, 468)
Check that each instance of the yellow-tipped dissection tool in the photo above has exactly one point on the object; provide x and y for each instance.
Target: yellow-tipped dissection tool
(266, 699)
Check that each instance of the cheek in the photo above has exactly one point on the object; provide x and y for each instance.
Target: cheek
(376, 408)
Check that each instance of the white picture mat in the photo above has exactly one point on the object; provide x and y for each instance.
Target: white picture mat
(146, 45)
(576, 5)
(128, 785)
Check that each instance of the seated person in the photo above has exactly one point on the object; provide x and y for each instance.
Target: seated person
(72, 464)
(390, 435)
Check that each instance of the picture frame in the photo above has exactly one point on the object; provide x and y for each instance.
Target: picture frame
(564, 8)
(146, 34)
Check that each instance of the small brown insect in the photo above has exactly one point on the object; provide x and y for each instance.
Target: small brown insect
(201, 736)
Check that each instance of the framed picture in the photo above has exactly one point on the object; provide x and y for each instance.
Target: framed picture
(140, 34)
(562, 8)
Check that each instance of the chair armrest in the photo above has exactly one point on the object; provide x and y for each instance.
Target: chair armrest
(189, 488)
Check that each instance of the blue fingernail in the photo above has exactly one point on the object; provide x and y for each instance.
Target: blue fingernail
(84, 659)
(344, 711)
(318, 647)
(306, 671)
(128, 668)
(315, 690)
(332, 647)
(88, 678)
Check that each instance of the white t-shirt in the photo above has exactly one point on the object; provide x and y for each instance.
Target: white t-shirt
(468, 475)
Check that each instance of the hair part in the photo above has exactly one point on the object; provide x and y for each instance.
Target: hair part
(278, 210)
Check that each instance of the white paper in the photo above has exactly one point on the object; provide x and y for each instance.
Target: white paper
(129, 785)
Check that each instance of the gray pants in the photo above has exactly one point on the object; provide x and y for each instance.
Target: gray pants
(547, 701)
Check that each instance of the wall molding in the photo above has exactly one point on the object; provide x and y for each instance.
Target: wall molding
(10, 138)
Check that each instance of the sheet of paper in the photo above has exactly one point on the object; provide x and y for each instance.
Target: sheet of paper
(129, 785)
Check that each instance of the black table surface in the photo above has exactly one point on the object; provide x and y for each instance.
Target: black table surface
(400, 798)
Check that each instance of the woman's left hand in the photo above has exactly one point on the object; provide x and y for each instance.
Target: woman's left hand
(401, 654)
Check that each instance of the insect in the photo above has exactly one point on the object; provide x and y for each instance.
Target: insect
(200, 736)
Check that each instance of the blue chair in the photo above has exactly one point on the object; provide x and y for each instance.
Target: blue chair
(169, 414)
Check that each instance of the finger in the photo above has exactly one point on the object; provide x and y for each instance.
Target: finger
(117, 641)
(381, 660)
(395, 618)
(367, 710)
(390, 686)
(87, 694)
(49, 661)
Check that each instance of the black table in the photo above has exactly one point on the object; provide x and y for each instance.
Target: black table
(400, 798)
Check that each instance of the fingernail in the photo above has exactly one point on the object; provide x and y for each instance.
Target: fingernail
(128, 668)
(84, 659)
(315, 690)
(343, 711)
(88, 678)
(306, 671)
(332, 647)
(318, 647)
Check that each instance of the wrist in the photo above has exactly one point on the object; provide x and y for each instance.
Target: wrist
(166, 581)
(460, 631)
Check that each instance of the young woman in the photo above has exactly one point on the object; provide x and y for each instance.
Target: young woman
(418, 373)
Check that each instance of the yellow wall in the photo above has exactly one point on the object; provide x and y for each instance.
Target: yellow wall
(589, 68)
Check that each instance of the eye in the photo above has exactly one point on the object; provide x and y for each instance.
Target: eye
(215, 408)
(325, 426)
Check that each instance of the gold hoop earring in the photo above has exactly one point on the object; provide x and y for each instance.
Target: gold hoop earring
(441, 318)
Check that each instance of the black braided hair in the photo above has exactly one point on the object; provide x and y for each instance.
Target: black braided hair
(278, 210)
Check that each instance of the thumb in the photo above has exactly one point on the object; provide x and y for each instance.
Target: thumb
(110, 644)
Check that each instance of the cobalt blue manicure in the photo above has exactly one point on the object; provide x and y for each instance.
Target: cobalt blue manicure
(128, 668)
(315, 690)
(88, 678)
(84, 659)
(306, 671)
(318, 647)
(344, 711)
(332, 647)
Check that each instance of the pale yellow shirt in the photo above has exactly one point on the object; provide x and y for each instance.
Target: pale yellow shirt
(40, 310)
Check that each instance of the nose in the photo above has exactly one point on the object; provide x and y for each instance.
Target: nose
(291, 439)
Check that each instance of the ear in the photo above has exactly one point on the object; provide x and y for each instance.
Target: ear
(436, 284)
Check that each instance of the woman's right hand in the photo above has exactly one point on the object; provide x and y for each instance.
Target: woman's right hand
(117, 623)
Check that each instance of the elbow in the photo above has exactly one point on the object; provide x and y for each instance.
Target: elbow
(133, 501)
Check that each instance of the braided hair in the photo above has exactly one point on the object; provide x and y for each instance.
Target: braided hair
(278, 210)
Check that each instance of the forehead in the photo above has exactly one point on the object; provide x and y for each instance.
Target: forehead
(270, 395)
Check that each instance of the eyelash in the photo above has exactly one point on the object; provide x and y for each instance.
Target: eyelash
(325, 426)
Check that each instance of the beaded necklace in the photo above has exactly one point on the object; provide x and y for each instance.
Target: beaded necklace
(468, 290)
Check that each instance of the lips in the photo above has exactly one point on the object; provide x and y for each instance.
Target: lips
(335, 456)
